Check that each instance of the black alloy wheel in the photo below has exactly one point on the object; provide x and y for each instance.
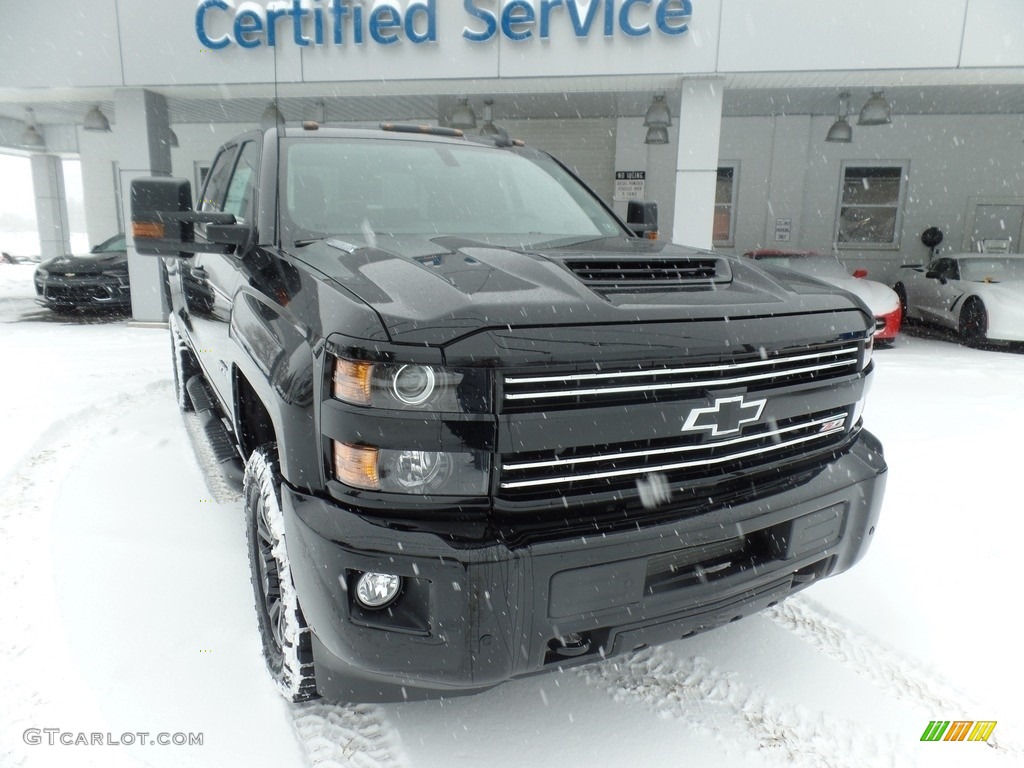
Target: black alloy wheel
(973, 322)
(287, 644)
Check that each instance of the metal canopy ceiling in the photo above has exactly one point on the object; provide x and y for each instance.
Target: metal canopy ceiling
(916, 92)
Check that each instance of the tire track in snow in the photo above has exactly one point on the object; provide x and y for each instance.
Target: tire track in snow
(333, 735)
(339, 736)
(28, 492)
(790, 734)
(884, 667)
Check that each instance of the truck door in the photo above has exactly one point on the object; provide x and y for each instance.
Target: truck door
(209, 281)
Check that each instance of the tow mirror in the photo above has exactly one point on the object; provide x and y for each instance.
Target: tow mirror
(642, 218)
(163, 222)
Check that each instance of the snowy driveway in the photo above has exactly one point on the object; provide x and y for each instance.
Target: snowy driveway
(126, 605)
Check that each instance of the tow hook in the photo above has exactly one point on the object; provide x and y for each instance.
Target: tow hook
(571, 644)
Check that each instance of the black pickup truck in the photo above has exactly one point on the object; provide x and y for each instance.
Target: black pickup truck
(487, 427)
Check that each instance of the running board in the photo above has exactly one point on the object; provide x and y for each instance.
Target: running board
(218, 436)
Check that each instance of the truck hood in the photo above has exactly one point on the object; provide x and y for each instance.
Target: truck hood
(434, 291)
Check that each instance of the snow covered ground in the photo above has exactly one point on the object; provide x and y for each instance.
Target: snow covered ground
(126, 604)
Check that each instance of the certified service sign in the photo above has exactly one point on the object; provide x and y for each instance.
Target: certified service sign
(221, 24)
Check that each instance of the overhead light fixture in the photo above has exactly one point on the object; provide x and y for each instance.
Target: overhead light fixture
(876, 111)
(174, 138)
(658, 115)
(841, 131)
(656, 134)
(271, 117)
(463, 116)
(489, 128)
(31, 138)
(95, 120)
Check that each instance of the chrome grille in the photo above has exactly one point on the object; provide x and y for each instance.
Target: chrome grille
(685, 459)
(522, 392)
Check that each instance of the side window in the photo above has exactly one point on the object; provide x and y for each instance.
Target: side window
(871, 205)
(725, 206)
(946, 268)
(243, 182)
(217, 181)
(949, 269)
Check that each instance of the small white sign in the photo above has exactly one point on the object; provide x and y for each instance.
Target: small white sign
(629, 185)
(783, 230)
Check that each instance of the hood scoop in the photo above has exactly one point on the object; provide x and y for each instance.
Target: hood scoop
(625, 274)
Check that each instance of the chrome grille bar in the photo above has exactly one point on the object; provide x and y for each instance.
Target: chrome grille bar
(836, 424)
(854, 351)
(677, 384)
(839, 417)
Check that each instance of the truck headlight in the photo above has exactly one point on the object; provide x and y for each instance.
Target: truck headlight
(408, 387)
(411, 471)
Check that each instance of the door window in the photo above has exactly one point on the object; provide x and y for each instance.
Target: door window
(242, 184)
(217, 181)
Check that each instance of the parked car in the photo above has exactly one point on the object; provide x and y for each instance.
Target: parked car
(980, 296)
(97, 280)
(488, 428)
(881, 299)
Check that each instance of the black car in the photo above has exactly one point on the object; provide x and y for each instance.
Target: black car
(98, 280)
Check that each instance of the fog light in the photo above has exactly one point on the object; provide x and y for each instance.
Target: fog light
(376, 590)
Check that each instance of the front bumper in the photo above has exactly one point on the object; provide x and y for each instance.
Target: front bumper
(470, 617)
(82, 291)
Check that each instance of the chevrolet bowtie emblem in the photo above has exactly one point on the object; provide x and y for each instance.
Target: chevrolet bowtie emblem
(725, 417)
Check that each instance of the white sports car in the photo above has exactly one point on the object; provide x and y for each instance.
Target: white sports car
(883, 303)
(981, 296)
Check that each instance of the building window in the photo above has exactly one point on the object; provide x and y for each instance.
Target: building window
(724, 227)
(871, 205)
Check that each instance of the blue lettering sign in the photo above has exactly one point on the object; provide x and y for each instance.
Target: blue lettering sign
(624, 23)
(486, 17)
(248, 22)
(516, 20)
(670, 13)
(221, 42)
(382, 18)
(425, 13)
(387, 22)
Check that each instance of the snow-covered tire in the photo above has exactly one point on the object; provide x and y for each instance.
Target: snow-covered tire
(287, 646)
(901, 294)
(184, 364)
(973, 322)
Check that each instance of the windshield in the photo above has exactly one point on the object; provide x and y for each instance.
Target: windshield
(111, 245)
(989, 270)
(365, 187)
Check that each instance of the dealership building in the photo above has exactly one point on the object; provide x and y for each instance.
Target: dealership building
(803, 124)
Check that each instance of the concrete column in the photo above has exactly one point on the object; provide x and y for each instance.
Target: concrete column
(51, 206)
(144, 149)
(700, 127)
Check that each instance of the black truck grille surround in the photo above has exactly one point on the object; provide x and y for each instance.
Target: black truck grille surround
(756, 371)
(612, 275)
(688, 459)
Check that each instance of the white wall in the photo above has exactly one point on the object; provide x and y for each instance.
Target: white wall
(951, 158)
(132, 43)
